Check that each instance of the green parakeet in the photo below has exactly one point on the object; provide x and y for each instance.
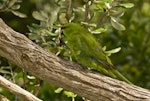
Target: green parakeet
(87, 51)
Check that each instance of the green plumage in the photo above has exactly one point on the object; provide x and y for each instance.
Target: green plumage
(87, 51)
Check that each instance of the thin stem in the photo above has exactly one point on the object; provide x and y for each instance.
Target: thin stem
(87, 11)
(68, 9)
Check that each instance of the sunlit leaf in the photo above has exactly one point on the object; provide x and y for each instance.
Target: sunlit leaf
(84, 23)
(127, 5)
(116, 24)
(92, 25)
(31, 77)
(104, 48)
(89, 24)
(70, 94)
(58, 90)
(33, 36)
(99, 30)
(36, 26)
(38, 16)
(117, 13)
(19, 14)
(62, 17)
(102, 1)
(5, 72)
(11, 3)
(113, 50)
(44, 14)
(52, 34)
(15, 7)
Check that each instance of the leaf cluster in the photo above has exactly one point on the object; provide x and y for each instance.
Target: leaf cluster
(11, 6)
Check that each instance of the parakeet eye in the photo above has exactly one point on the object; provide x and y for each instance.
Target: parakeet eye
(63, 27)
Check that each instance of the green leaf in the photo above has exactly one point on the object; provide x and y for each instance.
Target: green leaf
(104, 48)
(58, 90)
(84, 23)
(127, 5)
(113, 50)
(116, 24)
(92, 25)
(99, 30)
(117, 14)
(44, 14)
(33, 36)
(102, 1)
(52, 34)
(89, 24)
(19, 14)
(35, 26)
(15, 7)
(70, 94)
(38, 16)
(31, 77)
(11, 3)
(5, 72)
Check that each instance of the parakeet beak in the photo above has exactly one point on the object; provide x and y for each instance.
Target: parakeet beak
(61, 31)
(62, 28)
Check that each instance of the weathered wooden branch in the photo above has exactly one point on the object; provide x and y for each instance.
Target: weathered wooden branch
(3, 98)
(15, 89)
(46, 66)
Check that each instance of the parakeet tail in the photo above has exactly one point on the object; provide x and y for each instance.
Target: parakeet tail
(120, 76)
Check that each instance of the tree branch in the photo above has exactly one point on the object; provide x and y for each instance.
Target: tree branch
(17, 90)
(46, 66)
(3, 98)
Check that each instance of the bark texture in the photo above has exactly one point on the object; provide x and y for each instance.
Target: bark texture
(3, 98)
(46, 66)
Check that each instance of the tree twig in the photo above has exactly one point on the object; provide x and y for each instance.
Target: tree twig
(87, 11)
(3, 98)
(68, 9)
(13, 88)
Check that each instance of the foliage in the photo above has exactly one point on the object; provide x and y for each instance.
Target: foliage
(135, 44)
(111, 21)
(11, 6)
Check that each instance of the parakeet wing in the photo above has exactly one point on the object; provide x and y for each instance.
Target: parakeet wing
(88, 44)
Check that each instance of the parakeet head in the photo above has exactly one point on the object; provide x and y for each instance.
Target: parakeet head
(70, 27)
